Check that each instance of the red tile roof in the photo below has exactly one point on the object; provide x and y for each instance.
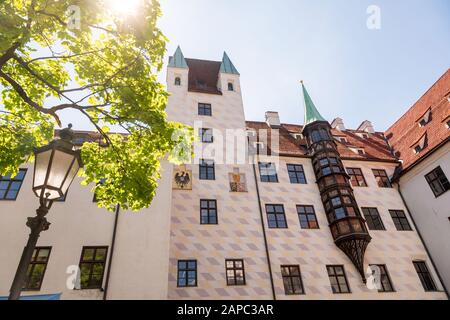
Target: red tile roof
(203, 76)
(405, 133)
(375, 146)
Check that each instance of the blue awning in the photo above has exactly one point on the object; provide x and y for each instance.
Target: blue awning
(54, 296)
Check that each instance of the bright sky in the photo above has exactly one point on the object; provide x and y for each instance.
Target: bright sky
(349, 70)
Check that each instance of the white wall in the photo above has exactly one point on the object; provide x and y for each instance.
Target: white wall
(431, 214)
(141, 252)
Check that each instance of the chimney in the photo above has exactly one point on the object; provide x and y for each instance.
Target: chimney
(273, 119)
(338, 124)
(366, 126)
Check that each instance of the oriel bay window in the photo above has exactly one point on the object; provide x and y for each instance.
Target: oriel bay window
(319, 135)
(326, 164)
(10, 186)
(36, 268)
(92, 267)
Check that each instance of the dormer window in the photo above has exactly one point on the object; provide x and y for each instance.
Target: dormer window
(177, 81)
(297, 136)
(230, 86)
(359, 151)
(426, 118)
(341, 139)
(421, 144)
(447, 123)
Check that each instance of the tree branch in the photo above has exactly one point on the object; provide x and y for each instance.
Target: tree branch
(18, 88)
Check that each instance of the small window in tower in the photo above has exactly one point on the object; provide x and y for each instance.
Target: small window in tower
(230, 86)
(177, 81)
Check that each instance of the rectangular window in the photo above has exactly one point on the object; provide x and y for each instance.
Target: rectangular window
(204, 109)
(268, 172)
(384, 280)
(10, 186)
(338, 279)
(187, 273)
(438, 181)
(235, 272)
(208, 211)
(373, 219)
(400, 220)
(382, 178)
(356, 177)
(206, 135)
(206, 170)
(292, 280)
(36, 268)
(296, 173)
(424, 276)
(92, 267)
(275, 216)
(307, 217)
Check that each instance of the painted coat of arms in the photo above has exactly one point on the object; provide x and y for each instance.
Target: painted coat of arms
(182, 178)
(237, 181)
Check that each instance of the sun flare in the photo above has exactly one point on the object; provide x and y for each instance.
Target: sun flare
(124, 7)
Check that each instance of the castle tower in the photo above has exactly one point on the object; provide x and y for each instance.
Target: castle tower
(345, 221)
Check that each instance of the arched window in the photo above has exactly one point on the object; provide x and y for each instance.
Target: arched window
(230, 86)
(177, 81)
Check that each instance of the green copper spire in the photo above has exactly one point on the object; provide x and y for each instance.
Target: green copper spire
(177, 60)
(311, 112)
(227, 66)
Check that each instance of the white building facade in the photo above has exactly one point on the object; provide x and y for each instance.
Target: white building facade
(242, 226)
(422, 138)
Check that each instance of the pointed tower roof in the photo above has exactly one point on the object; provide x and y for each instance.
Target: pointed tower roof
(311, 112)
(227, 66)
(177, 60)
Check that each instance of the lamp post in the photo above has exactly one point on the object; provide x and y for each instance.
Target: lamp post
(55, 167)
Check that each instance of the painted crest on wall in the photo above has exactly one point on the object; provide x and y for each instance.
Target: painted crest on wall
(182, 178)
(237, 181)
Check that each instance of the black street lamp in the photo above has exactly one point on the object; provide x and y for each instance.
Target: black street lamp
(55, 167)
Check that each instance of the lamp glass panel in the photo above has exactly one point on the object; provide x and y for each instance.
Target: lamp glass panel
(60, 166)
(72, 173)
(41, 166)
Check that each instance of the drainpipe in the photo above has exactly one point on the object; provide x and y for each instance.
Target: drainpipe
(423, 242)
(264, 234)
(111, 255)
